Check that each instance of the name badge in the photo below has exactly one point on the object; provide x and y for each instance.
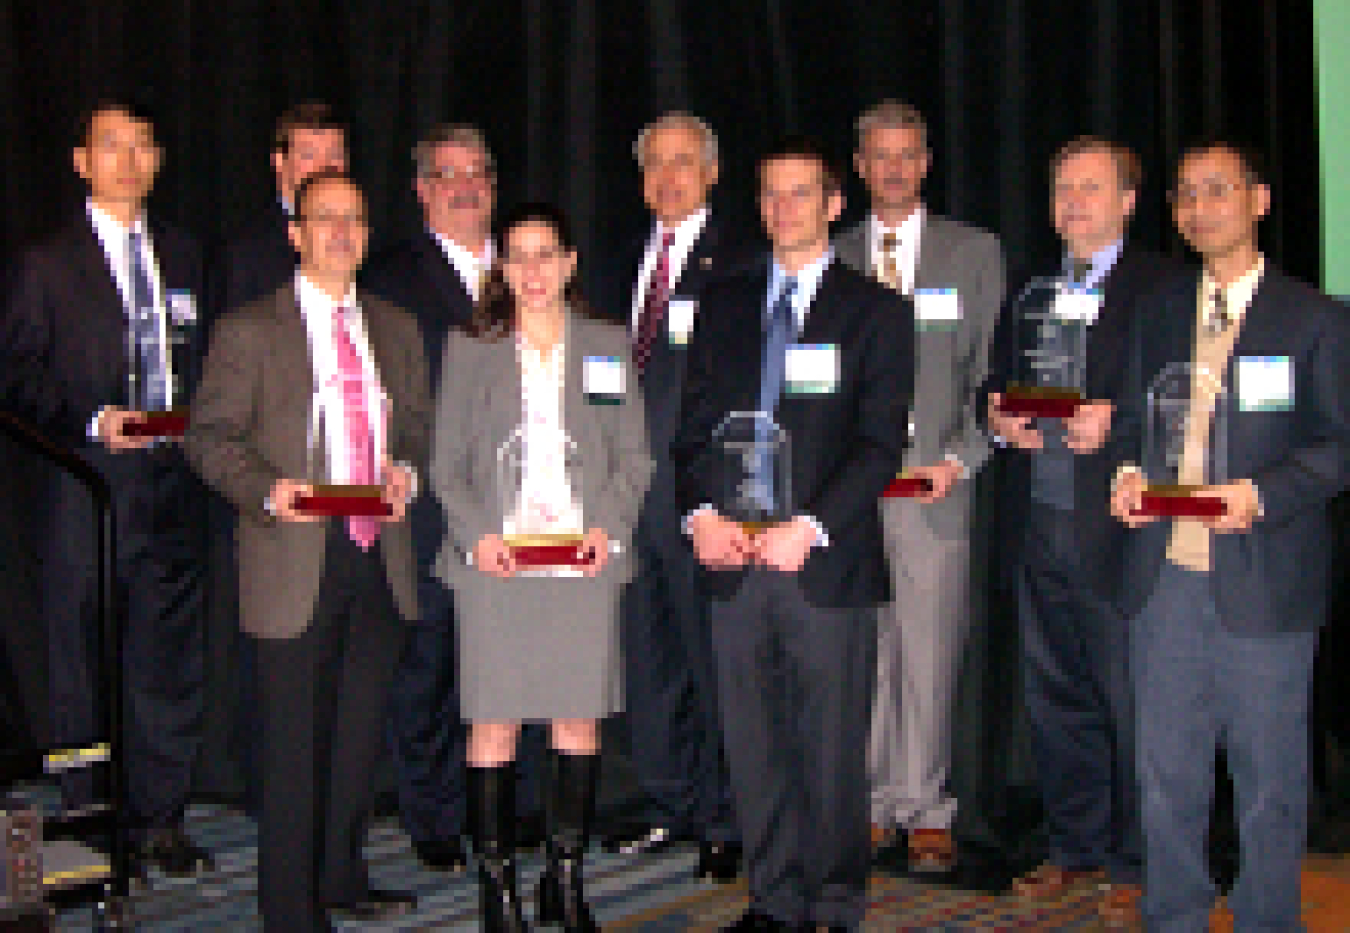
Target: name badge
(1265, 383)
(182, 307)
(937, 308)
(812, 369)
(602, 380)
(680, 320)
(1078, 305)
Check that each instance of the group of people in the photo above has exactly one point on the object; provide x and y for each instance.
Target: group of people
(788, 685)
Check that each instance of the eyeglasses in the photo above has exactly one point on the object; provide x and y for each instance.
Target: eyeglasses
(447, 176)
(1186, 195)
(544, 256)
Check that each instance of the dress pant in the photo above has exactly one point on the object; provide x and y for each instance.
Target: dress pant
(670, 691)
(1197, 686)
(1076, 686)
(323, 699)
(427, 735)
(160, 570)
(795, 685)
(920, 637)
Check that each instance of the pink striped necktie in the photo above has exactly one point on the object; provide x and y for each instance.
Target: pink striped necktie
(356, 430)
(654, 306)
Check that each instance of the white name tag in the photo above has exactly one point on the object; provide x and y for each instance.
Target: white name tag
(680, 319)
(936, 308)
(1078, 305)
(602, 377)
(182, 307)
(812, 369)
(1265, 383)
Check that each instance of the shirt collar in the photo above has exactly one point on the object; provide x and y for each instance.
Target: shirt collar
(686, 230)
(1238, 295)
(905, 233)
(1101, 264)
(314, 299)
(109, 227)
(807, 280)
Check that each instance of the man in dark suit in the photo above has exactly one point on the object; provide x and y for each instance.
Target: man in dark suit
(954, 273)
(1074, 654)
(828, 354)
(102, 321)
(436, 274)
(323, 600)
(258, 260)
(670, 689)
(1224, 611)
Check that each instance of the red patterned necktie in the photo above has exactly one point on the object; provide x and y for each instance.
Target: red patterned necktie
(654, 306)
(355, 425)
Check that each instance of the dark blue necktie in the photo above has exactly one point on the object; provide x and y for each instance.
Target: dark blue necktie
(152, 382)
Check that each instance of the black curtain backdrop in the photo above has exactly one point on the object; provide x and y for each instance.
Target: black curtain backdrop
(562, 88)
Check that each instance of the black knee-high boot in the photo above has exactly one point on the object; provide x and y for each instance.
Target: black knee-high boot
(492, 825)
(570, 810)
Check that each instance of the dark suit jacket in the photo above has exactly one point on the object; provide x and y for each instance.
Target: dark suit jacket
(249, 428)
(416, 276)
(64, 329)
(846, 446)
(717, 255)
(1272, 578)
(255, 263)
(1135, 273)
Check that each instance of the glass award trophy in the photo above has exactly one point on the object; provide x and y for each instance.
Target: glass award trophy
(1051, 322)
(752, 471)
(330, 495)
(1185, 443)
(538, 483)
(152, 383)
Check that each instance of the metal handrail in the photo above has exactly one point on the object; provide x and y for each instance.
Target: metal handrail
(110, 633)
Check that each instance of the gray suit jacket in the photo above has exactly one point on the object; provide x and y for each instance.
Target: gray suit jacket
(951, 364)
(250, 427)
(478, 407)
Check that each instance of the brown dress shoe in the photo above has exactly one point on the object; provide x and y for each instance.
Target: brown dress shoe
(1119, 908)
(1049, 882)
(931, 851)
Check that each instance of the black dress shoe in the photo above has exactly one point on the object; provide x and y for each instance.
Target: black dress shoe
(639, 840)
(530, 831)
(376, 905)
(719, 861)
(441, 854)
(755, 921)
(175, 854)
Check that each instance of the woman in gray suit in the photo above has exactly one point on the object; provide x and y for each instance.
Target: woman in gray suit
(537, 373)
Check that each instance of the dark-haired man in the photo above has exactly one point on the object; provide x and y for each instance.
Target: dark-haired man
(115, 293)
(324, 600)
(828, 354)
(1224, 612)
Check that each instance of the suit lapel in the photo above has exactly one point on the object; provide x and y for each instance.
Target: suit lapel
(930, 269)
(441, 273)
(851, 247)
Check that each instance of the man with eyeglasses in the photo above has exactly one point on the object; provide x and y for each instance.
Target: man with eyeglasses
(1075, 679)
(103, 318)
(324, 600)
(1224, 611)
(436, 274)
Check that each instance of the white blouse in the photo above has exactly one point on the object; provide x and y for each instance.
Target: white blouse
(546, 503)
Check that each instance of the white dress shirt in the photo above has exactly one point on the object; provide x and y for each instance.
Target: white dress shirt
(906, 253)
(472, 269)
(687, 233)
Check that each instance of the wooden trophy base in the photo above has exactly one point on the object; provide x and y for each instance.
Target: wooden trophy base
(1179, 502)
(345, 501)
(906, 486)
(171, 423)
(1040, 402)
(548, 554)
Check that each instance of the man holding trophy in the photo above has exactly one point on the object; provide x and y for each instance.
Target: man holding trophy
(794, 420)
(1235, 433)
(313, 405)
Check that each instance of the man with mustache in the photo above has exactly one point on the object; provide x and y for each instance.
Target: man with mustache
(436, 274)
(954, 273)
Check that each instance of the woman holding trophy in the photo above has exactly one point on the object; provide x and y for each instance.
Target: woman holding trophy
(540, 460)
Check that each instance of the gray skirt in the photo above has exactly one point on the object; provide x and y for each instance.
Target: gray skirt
(538, 648)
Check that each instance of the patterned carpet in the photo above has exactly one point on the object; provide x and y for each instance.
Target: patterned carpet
(630, 894)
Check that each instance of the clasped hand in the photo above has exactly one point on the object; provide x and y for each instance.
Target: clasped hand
(723, 544)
